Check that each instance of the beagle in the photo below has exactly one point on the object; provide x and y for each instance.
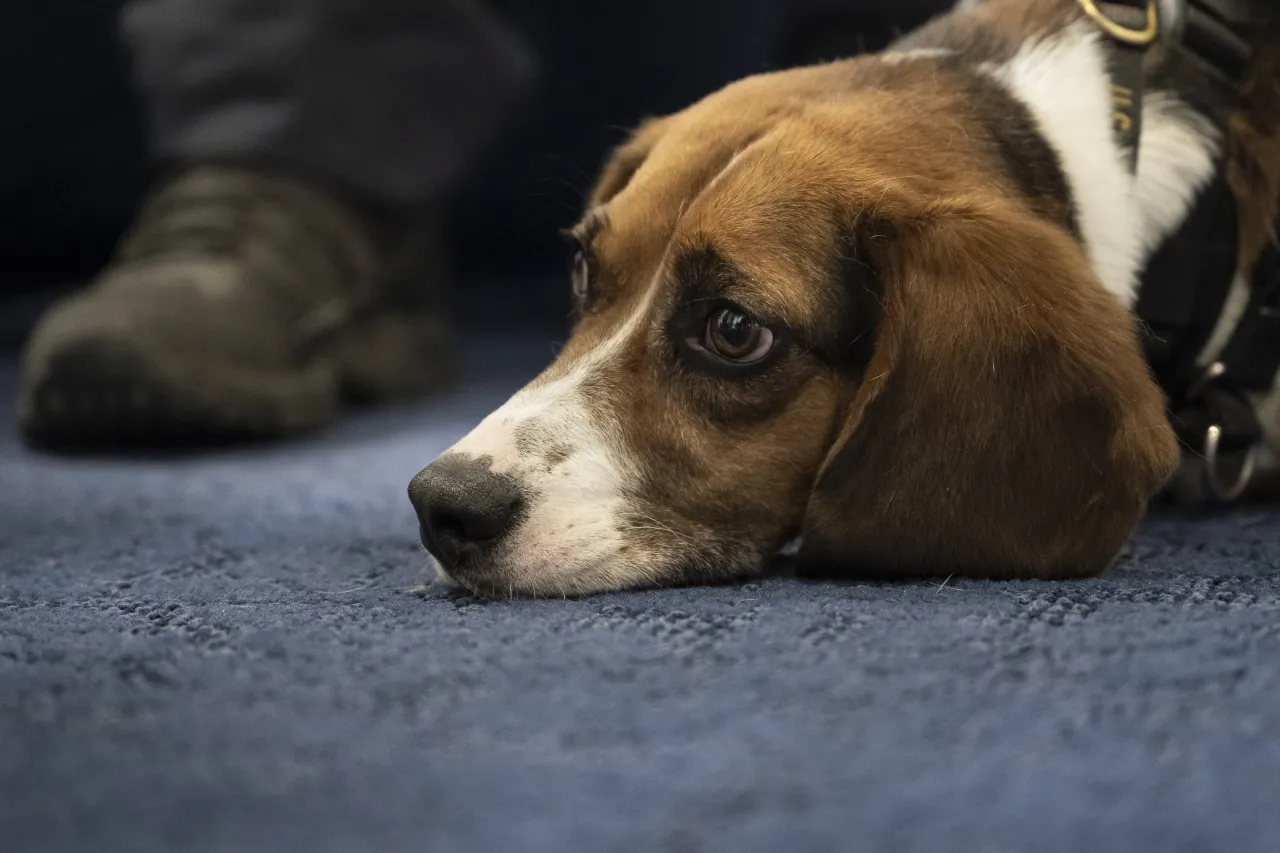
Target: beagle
(883, 313)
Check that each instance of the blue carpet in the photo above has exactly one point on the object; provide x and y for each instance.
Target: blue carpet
(226, 654)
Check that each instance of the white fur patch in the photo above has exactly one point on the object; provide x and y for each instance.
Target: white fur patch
(1063, 81)
(1175, 163)
(894, 57)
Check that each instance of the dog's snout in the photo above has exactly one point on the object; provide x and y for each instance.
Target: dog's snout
(463, 507)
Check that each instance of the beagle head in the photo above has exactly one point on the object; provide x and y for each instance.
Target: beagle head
(824, 305)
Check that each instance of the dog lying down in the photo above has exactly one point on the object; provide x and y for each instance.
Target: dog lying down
(890, 311)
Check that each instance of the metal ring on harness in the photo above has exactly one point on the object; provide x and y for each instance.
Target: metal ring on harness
(1213, 477)
(1128, 35)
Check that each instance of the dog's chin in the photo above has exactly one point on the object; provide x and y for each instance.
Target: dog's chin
(498, 579)
(480, 588)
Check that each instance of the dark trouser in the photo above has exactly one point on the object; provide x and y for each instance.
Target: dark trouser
(388, 98)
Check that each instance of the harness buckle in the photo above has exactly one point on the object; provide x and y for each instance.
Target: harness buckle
(1139, 37)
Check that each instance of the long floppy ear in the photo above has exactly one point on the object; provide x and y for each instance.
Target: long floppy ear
(625, 160)
(1008, 425)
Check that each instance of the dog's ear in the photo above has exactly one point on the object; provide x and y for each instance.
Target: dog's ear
(1006, 424)
(625, 160)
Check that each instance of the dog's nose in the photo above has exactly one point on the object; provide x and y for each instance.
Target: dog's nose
(463, 507)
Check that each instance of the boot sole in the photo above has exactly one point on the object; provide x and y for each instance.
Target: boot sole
(104, 395)
(108, 394)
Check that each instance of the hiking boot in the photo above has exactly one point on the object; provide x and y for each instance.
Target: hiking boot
(242, 305)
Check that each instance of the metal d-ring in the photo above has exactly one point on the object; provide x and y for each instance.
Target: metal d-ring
(1128, 35)
(1213, 477)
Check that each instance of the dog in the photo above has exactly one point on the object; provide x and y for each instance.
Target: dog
(883, 314)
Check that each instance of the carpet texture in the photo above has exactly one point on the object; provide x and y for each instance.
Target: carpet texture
(226, 654)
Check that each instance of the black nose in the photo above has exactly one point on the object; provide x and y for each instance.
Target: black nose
(463, 507)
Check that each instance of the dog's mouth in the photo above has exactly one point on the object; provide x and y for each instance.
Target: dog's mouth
(478, 585)
(486, 578)
(516, 568)
(510, 572)
(467, 567)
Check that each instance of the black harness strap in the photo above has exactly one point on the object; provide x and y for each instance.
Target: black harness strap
(1211, 32)
(1133, 26)
(1185, 287)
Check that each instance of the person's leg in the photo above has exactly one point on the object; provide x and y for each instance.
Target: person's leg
(391, 97)
(284, 260)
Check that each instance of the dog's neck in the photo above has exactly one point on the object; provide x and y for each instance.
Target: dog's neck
(1063, 79)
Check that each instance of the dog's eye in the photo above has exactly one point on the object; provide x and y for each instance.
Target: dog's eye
(736, 336)
(580, 275)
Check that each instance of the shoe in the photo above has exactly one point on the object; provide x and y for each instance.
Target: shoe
(242, 305)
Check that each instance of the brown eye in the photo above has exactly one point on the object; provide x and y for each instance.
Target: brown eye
(737, 336)
(580, 276)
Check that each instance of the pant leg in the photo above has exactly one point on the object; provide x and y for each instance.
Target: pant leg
(391, 98)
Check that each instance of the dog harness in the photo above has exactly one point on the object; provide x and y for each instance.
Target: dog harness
(1189, 298)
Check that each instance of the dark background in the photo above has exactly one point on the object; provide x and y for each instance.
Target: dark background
(73, 152)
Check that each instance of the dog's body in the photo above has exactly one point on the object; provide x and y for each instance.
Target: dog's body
(884, 307)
